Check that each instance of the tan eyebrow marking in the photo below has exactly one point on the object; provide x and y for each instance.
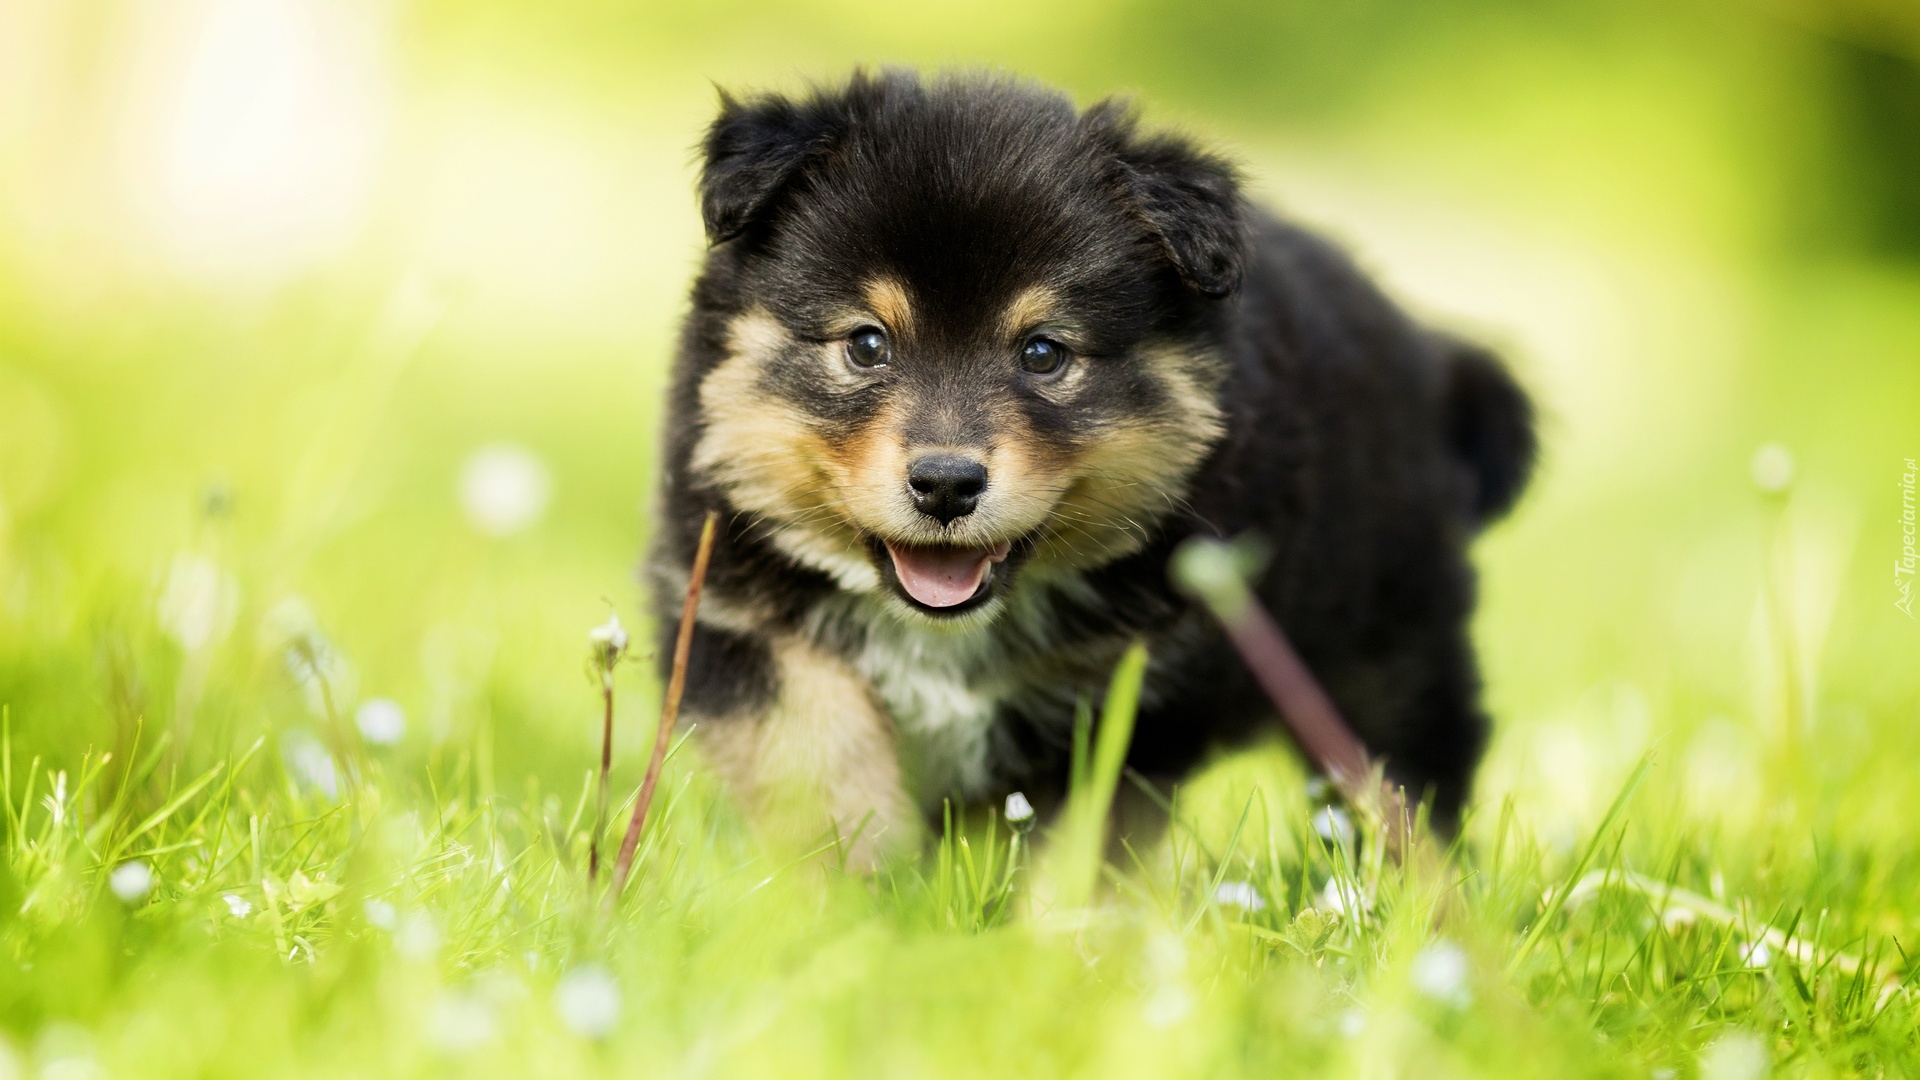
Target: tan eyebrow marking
(1035, 305)
(887, 299)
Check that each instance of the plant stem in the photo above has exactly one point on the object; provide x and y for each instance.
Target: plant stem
(606, 766)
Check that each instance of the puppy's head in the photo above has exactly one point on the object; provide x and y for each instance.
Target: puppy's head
(963, 329)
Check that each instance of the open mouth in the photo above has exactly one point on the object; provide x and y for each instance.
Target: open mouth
(943, 577)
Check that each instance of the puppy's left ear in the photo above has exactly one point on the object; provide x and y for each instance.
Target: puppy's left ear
(1190, 198)
(753, 150)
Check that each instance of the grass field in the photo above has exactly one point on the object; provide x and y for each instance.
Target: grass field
(320, 458)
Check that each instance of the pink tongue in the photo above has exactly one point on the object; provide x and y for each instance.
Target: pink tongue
(942, 577)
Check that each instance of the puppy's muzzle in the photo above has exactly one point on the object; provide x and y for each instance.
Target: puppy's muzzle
(946, 486)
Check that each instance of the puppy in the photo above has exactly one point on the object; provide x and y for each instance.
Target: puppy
(963, 366)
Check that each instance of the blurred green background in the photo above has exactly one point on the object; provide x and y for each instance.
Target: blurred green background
(369, 305)
(347, 322)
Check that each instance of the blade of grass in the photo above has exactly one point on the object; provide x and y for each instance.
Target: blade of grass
(1559, 897)
(1082, 835)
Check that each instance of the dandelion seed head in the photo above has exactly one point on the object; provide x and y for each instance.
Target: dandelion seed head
(310, 764)
(131, 881)
(609, 634)
(608, 642)
(381, 721)
(588, 1001)
(1166, 956)
(460, 1022)
(1352, 1023)
(1772, 468)
(417, 937)
(1345, 897)
(503, 489)
(1019, 811)
(198, 602)
(1737, 1055)
(1240, 894)
(380, 914)
(1440, 972)
(66, 1052)
(1333, 825)
(1168, 1005)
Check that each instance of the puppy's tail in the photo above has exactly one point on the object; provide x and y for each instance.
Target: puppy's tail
(1488, 422)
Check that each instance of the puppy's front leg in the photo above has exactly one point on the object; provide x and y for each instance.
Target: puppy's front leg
(820, 753)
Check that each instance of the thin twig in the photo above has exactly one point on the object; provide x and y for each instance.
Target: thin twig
(669, 709)
(1208, 570)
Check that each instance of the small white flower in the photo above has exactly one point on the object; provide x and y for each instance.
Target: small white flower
(1352, 1023)
(588, 1001)
(1019, 811)
(1240, 894)
(198, 602)
(607, 642)
(1756, 954)
(312, 662)
(1737, 1055)
(1772, 468)
(1440, 972)
(1345, 897)
(381, 915)
(609, 634)
(1333, 825)
(460, 1022)
(131, 881)
(238, 906)
(288, 620)
(504, 489)
(417, 937)
(1169, 1005)
(382, 721)
(66, 1052)
(310, 764)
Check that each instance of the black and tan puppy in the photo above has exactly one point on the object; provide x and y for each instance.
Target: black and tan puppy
(962, 368)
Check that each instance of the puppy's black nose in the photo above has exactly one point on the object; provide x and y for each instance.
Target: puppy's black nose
(946, 486)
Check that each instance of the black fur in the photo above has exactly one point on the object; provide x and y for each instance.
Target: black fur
(1366, 449)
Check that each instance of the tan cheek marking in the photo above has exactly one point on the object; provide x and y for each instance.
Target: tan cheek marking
(1132, 474)
(824, 752)
(752, 446)
(1021, 491)
(887, 299)
(769, 461)
(870, 472)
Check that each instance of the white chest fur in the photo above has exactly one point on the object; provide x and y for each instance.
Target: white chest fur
(940, 689)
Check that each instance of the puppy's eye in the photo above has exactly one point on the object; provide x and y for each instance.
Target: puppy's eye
(867, 348)
(1043, 356)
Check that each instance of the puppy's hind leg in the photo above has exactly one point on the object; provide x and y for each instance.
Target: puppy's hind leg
(816, 759)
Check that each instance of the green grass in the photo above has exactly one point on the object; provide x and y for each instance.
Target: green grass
(213, 487)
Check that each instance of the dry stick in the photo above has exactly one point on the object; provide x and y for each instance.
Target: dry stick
(1206, 568)
(669, 709)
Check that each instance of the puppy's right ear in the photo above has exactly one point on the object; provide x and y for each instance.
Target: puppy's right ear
(752, 152)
